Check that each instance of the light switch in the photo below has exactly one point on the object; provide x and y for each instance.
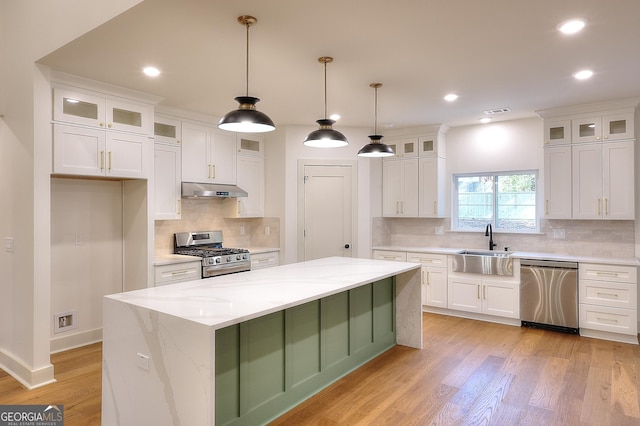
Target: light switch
(9, 244)
(143, 362)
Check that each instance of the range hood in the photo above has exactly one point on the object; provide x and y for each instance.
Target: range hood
(211, 190)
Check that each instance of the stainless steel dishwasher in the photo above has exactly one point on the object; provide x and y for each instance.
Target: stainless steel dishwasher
(549, 294)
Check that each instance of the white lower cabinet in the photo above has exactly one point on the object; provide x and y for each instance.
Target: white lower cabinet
(397, 256)
(608, 300)
(178, 272)
(434, 277)
(485, 296)
(265, 260)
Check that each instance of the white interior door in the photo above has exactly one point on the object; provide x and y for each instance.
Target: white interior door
(328, 207)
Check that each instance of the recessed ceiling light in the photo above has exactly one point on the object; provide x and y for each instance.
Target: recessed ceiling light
(571, 26)
(335, 117)
(485, 120)
(151, 71)
(583, 75)
(450, 97)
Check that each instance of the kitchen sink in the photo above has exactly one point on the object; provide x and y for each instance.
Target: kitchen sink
(485, 262)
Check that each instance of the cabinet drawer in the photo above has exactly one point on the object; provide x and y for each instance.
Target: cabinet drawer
(612, 273)
(398, 256)
(620, 295)
(264, 260)
(610, 319)
(427, 259)
(179, 272)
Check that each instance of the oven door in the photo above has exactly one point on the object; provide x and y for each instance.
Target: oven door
(231, 268)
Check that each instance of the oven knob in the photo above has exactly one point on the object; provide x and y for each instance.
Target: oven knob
(238, 257)
(228, 258)
(244, 256)
(217, 260)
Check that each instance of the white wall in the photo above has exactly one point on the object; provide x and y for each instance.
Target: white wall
(29, 31)
(495, 147)
(86, 254)
(289, 144)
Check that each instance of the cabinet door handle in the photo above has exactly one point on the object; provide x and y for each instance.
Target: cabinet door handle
(606, 206)
(478, 285)
(428, 278)
(179, 206)
(599, 203)
(402, 207)
(435, 207)
(397, 207)
(607, 294)
(109, 125)
(101, 160)
(546, 206)
(109, 160)
(101, 124)
(213, 169)
(484, 292)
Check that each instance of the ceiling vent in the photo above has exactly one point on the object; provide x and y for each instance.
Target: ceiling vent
(496, 111)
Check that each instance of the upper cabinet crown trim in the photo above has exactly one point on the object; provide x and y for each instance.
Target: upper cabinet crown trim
(600, 107)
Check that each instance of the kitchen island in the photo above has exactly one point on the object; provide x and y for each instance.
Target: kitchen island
(244, 348)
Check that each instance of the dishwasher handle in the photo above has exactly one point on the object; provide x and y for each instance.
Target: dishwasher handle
(561, 264)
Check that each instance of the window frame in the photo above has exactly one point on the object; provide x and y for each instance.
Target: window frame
(454, 198)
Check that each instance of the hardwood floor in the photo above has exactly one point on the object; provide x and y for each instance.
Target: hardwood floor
(469, 373)
(78, 387)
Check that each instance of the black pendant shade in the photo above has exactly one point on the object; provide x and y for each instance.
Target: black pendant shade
(325, 136)
(376, 148)
(246, 118)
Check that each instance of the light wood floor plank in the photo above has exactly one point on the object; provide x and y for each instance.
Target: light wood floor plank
(470, 372)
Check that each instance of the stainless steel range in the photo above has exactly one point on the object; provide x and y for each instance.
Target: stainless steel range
(216, 260)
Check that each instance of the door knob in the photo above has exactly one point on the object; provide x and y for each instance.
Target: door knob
(346, 246)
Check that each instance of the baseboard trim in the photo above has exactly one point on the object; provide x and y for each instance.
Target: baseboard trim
(29, 378)
(76, 340)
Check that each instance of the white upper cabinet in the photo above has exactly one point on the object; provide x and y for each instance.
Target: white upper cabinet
(208, 155)
(557, 182)
(403, 148)
(400, 188)
(431, 187)
(167, 130)
(167, 183)
(94, 152)
(76, 106)
(609, 127)
(250, 177)
(557, 132)
(603, 181)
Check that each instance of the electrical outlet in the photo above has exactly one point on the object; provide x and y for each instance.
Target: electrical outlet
(267, 230)
(439, 230)
(242, 230)
(558, 233)
(64, 321)
(143, 361)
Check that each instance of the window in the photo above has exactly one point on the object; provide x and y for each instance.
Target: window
(505, 200)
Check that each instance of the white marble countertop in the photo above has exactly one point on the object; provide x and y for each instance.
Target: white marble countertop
(258, 250)
(230, 299)
(169, 259)
(521, 255)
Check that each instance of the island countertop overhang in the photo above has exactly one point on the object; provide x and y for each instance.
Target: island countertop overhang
(225, 300)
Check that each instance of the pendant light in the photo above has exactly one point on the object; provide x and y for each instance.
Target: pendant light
(246, 118)
(376, 148)
(325, 136)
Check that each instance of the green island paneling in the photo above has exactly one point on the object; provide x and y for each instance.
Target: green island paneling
(335, 329)
(268, 365)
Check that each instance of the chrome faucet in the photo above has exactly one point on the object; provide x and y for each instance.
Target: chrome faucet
(489, 233)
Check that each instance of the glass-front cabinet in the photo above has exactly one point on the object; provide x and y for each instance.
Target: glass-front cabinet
(557, 132)
(94, 110)
(603, 128)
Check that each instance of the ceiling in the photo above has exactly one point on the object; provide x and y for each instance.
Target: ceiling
(492, 53)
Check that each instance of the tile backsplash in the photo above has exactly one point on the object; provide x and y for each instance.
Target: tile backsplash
(207, 215)
(599, 238)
